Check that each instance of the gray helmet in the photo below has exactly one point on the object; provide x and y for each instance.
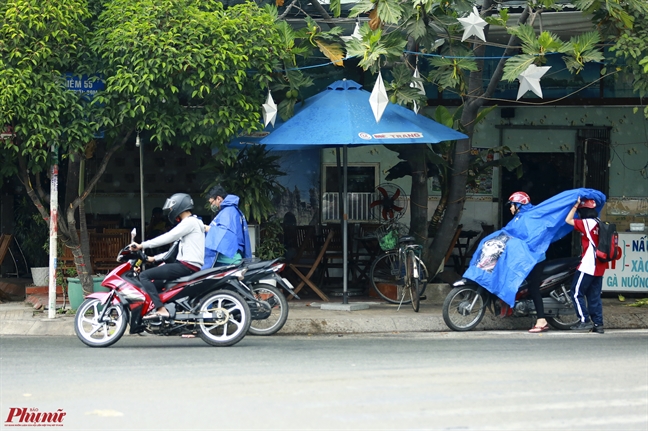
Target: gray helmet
(177, 204)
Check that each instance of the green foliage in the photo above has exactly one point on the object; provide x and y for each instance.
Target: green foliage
(271, 246)
(251, 175)
(584, 48)
(400, 88)
(188, 70)
(39, 43)
(31, 232)
(375, 48)
(630, 52)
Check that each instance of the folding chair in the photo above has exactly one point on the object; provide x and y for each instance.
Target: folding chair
(306, 278)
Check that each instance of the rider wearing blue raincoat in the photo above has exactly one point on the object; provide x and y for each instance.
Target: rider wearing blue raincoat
(506, 257)
(227, 241)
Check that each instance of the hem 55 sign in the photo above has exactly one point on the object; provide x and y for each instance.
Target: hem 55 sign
(86, 85)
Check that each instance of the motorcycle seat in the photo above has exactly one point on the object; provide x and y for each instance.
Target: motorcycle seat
(406, 239)
(261, 265)
(547, 268)
(197, 275)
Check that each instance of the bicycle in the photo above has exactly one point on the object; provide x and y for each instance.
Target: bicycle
(399, 273)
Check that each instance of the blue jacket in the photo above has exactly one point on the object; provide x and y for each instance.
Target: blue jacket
(228, 233)
(504, 258)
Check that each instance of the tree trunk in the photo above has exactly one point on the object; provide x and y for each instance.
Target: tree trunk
(473, 101)
(419, 193)
(67, 224)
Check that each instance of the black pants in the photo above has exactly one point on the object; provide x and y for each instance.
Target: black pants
(536, 296)
(166, 272)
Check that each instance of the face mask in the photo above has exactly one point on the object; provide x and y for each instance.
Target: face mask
(215, 208)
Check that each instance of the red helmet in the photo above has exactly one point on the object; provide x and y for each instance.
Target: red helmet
(519, 198)
(587, 203)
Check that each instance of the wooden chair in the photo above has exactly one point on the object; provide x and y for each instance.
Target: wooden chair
(104, 248)
(5, 242)
(305, 243)
(311, 268)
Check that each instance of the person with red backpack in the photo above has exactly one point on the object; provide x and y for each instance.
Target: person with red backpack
(588, 280)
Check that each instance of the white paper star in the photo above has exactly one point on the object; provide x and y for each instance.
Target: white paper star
(354, 35)
(473, 25)
(419, 85)
(269, 110)
(530, 80)
(378, 99)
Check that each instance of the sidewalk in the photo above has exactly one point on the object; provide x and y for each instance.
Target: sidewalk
(306, 317)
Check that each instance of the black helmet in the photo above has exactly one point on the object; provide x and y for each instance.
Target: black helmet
(177, 204)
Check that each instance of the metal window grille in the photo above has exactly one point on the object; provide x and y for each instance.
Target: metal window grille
(358, 206)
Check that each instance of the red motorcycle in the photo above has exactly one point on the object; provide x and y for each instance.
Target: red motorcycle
(211, 303)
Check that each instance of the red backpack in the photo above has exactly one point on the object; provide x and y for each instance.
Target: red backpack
(608, 244)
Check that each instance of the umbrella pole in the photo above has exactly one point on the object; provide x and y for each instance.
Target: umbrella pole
(345, 237)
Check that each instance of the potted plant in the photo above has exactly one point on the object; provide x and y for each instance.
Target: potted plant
(32, 234)
(251, 174)
(271, 246)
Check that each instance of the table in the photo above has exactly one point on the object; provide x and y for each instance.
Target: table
(362, 260)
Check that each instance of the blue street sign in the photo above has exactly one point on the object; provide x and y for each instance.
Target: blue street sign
(83, 84)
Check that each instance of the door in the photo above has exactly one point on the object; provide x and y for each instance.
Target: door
(545, 175)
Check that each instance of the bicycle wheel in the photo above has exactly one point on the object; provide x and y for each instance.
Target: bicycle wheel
(386, 279)
(423, 277)
(412, 279)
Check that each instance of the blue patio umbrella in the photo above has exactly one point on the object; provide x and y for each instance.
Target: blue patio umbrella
(341, 116)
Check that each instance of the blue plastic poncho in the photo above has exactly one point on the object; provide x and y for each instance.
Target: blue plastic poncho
(228, 233)
(504, 258)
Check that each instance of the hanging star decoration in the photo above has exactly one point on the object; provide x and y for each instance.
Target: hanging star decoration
(419, 85)
(530, 80)
(269, 111)
(378, 99)
(355, 34)
(473, 25)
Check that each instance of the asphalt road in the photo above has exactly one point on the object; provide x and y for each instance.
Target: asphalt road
(479, 380)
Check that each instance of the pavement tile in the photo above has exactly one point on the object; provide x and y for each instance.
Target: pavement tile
(307, 318)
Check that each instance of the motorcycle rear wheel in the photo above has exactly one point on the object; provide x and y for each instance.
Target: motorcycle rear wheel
(463, 308)
(225, 318)
(94, 333)
(563, 322)
(567, 321)
(279, 305)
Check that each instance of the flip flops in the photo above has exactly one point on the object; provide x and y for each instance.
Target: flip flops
(538, 329)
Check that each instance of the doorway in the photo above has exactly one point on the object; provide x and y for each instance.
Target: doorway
(545, 175)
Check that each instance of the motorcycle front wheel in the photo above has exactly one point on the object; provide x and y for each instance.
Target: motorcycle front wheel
(95, 330)
(463, 308)
(224, 318)
(279, 306)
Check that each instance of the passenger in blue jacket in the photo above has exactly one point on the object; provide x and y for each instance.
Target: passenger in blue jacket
(227, 241)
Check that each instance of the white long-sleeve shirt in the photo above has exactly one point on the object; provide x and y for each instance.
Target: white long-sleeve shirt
(191, 233)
